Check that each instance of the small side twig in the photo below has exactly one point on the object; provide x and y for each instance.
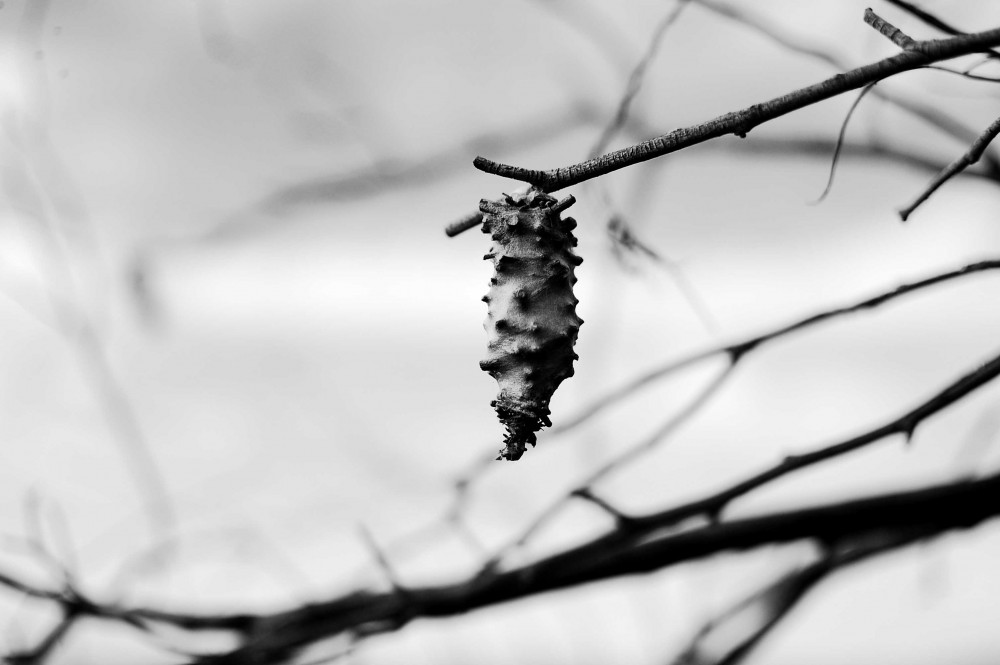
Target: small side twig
(742, 121)
(381, 559)
(840, 140)
(727, 639)
(915, 106)
(583, 488)
(904, 424)
(889, 31)
(972, 156)
(587, 494)
(936, 22)
(470, 221)
(635, 80)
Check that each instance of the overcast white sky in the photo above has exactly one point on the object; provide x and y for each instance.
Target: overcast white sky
(305, 360)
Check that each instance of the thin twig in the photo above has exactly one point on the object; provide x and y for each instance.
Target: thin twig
(470, 221)
(738, 349)
(966, 75)
(742, 121)
(888, 30)
(916, 107)
(635, 80)
(712, 505)
(926, 511)
(820, 147)
(276, 636)
(582, 487)
(43, 649)
(972, 156)
(768, 606)
(735, 351)
(840, 140)
(380, 557)
(935, 22)
(904, 424)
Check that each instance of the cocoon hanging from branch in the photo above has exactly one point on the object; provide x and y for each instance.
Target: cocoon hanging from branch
(531, 323)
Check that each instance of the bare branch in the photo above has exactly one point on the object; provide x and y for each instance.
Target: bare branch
(971, 157)
(925, 512)
(935, 22)
(741, 627)
(915, 107)
(43, 649)
(624, 551)
(587, 494)
(741, 122)
(967, 75)
(888, 30)
(738, 349)
(905, 424)
(584, 487)
(840, 140)
(735, 351)
(380, 557)
(470, 221)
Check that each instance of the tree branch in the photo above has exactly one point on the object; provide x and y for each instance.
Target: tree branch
(915, 107)
(968, 159)
(935, 22)
(272, 637)
(744, 625)
(741, 122)
(888, 30)
(737, 350)
(925, 512)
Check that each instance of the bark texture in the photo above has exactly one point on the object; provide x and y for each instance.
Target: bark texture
(531, 324)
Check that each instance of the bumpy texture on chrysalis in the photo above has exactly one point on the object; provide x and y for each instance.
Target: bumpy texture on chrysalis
(531, 324)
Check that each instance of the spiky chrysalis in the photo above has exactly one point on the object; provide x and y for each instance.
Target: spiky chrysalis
(531, 324)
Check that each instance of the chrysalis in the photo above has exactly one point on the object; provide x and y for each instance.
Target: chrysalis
(531, 324)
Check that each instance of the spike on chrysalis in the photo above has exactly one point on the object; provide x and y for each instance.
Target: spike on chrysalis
(530, 348)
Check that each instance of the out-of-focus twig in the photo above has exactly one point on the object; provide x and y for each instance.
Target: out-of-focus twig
(819, 147)
(581, 16)
(739, 349)
(584, 488)
(730, 637)
(635, 80)
(972, 156)
(711, 506)
(278, 636)
(48, 184)
(624, 239)
(394, 172)
(840, 140)
(966, 75)
(735, 352)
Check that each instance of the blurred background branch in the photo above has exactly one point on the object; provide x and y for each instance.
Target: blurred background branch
(267, 186)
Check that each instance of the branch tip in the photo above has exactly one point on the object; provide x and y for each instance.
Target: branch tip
(470, 221)
(888, 30)
(565, 203)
